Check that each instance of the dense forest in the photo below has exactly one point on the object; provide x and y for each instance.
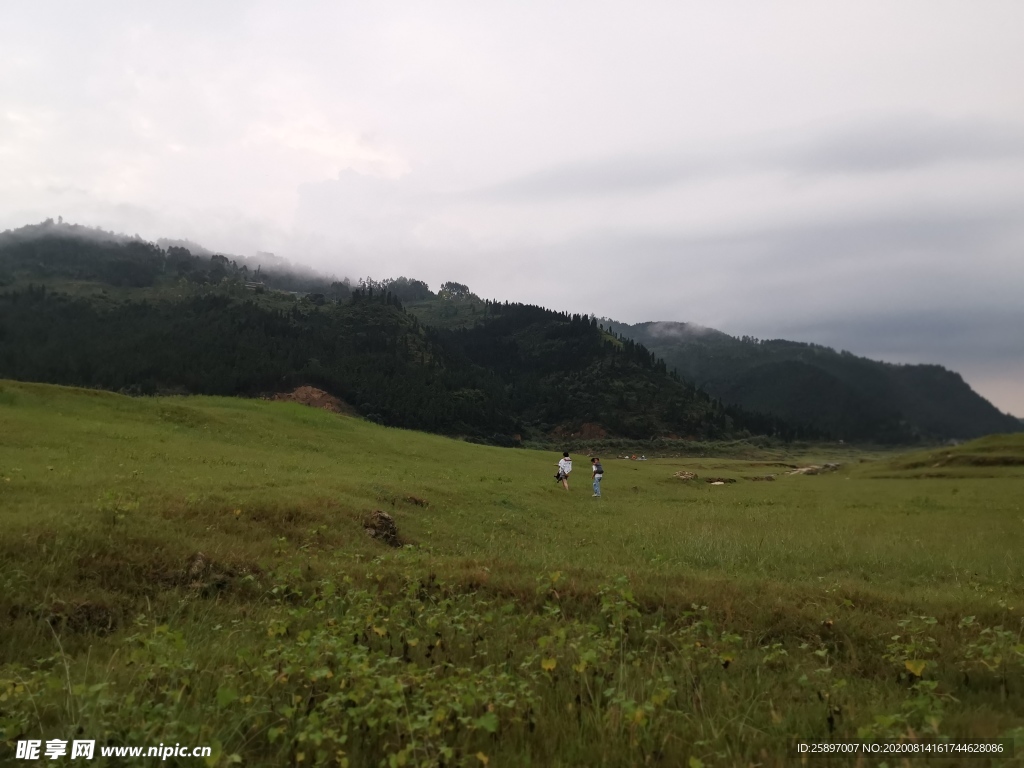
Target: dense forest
(844, 395)
(127, 315)
(86, 307)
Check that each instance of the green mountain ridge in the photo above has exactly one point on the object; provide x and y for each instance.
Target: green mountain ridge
(849, 397)
(91, 308)
(124, 314)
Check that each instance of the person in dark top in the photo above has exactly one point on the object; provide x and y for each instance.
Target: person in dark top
(598, 474)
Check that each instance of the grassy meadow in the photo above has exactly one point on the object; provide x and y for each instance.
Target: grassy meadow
(196, 571)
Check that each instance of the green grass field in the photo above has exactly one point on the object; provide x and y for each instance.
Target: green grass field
(196, 571)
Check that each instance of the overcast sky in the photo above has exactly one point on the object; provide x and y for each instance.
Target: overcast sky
(848, 173)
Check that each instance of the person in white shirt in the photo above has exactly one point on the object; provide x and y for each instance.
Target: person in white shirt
(564, 468)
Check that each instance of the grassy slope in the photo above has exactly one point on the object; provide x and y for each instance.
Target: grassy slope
(738, 596)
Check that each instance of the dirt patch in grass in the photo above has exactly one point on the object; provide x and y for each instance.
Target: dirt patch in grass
(260, 531)
(146, 568)
(207, 577)
(85, 617)
(110, 586)
(586, 431)
(280, 519)
(95, 616)
(139, 568)
(315, 398)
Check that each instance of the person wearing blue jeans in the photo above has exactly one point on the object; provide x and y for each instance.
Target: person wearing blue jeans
(598, 474)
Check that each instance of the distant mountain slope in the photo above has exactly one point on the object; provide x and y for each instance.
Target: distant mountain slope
(119, 312)
(563, 373)
(125, 314)
(847, 396)
(367, 352)
(58, 252)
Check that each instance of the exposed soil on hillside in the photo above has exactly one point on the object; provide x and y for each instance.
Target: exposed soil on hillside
(315, 398)
(588, 430)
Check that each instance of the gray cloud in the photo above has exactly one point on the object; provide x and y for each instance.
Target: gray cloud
(914, 334)
(880, 145)
(614, 175)
(904, 142)
(676, 161)
(933, 265)
(897, 288)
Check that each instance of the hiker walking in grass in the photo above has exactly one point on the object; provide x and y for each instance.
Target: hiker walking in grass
(595, 464)
(564, 468)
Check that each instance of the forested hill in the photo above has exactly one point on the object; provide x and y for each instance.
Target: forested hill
(90, 308)
(120, 313)
(847, 396)
(553, 364)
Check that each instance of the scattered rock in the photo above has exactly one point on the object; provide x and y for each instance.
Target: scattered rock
(720, 480)
(206, 577)
(380, 525)
(814, 469)
(684, 475)
(198, 564)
